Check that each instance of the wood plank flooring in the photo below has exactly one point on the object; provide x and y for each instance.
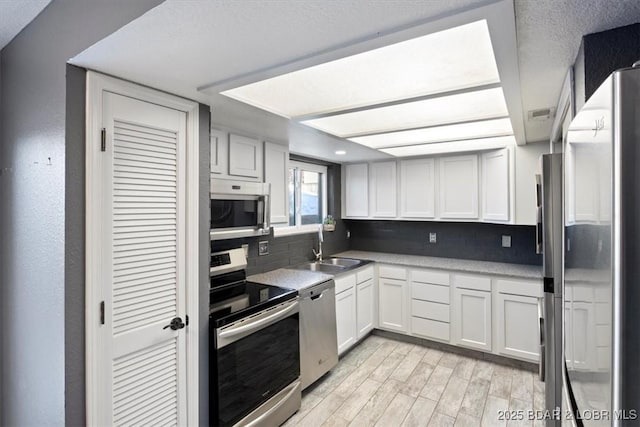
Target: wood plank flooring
(384, 382)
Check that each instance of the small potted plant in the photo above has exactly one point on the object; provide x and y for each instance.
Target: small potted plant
(329, 224)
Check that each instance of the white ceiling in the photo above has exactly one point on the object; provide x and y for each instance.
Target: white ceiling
(181, 46)
(15, 15)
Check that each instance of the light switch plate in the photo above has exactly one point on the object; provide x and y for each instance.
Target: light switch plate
(506, 241)
(432, 237)
(263, 247)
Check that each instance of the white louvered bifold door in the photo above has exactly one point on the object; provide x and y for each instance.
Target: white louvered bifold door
(144, 262)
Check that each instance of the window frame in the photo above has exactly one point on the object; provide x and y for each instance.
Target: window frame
(297, 228)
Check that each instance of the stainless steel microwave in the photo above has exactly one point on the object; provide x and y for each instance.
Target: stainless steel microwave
(239, 209)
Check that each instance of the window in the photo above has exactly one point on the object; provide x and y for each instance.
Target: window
(307, 194)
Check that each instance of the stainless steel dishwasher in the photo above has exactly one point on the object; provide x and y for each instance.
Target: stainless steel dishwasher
(318, 336)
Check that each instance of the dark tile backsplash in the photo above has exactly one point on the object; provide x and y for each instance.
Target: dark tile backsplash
(464, 240)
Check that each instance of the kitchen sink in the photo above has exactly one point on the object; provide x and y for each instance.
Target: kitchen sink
(324, 268)
(343, 262)
(332, 265)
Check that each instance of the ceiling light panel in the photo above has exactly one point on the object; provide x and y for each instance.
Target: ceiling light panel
(482, 129)
(451, 147)
(464, 107)
(456, 58)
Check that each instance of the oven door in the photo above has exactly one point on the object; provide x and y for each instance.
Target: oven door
(254, 359)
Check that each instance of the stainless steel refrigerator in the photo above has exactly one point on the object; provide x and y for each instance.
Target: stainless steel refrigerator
(549, 243)
(602, 256)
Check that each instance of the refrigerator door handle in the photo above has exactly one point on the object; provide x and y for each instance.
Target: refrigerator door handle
(541, 365)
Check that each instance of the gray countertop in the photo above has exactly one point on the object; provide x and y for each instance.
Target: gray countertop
(293, 279)
(469, 266)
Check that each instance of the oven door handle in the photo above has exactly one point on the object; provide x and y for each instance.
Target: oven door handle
(234, 332)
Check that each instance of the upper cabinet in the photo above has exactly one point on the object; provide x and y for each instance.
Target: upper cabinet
(219, 151)
(276, 170)
(495, 186)
(245, 157)
(459, 187)
(356, 191)
(417, 188)
(383, 190)
(236, 157)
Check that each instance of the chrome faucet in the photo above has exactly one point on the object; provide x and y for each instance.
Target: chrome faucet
(320, 240)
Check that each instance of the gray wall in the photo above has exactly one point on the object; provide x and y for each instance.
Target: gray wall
(39, 357)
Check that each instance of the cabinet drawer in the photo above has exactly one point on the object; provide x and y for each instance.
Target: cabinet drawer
(392, 272)
(466, 281)
(430, 276)
(345, 282)
(520, 287)
(427, 292)
(430, 328)
(364, 274)
(430, 310)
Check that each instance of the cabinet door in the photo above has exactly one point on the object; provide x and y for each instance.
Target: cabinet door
(276, 173)
(517, 329)
(356, 197)
(495, 185)
(383, 189)
(219, 141)
(392, 304)
(417, 199)
(245, 157)
(365, 300)
(346, 319)
(472, 318)
(583, 325)
(459, 187)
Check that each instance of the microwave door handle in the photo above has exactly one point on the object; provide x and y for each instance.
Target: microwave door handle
(267, 214)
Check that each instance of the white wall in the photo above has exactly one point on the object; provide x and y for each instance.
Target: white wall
(526, 166)
(38, 353)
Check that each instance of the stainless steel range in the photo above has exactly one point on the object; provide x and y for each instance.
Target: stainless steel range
(254, 356)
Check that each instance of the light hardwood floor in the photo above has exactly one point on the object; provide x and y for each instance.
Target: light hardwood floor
(384, 382)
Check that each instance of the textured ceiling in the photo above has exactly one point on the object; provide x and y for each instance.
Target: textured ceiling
(549, 35)
(15, 15)
(182, 45)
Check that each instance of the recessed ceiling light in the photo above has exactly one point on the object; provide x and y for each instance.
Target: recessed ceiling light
(480, 129)
(462, 107)
(451, 147)
(341, 152)
(455, 58)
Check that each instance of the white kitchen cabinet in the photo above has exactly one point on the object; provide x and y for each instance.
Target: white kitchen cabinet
(472, 318)
(393, 304)
(346, 319)
(495, 186)
(417, 188)
(383, 189)
(365, 302)
(219, 142)
(356, 190)
(458, 187)
(245, 157)
(276, 173)
(430, 308)
(517, 323)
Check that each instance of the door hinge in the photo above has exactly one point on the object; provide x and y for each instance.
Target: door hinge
(102, 312)
(103, 139)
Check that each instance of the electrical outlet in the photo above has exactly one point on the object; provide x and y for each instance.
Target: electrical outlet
(432, 237)
(263, 247)
(506, 241)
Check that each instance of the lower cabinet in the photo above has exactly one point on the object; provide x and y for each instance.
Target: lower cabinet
(346, 319)
(355, 306)
(472, 318)
(517, 322)
(365, 302)
(393, 296)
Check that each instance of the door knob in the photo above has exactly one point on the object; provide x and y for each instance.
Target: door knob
(176, 323)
